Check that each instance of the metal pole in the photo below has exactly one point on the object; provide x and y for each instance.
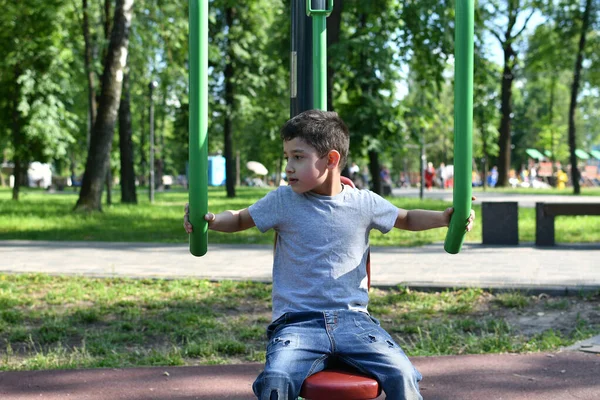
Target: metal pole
(301, 80)
(198, 125)
(152, 85)
(319, 41)
(422, 163)
(463, 124)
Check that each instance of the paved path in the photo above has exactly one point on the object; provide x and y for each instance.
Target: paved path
(557, 376)
(557, 268)
(524, 199)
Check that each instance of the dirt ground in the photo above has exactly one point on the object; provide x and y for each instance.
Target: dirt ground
(544, 312)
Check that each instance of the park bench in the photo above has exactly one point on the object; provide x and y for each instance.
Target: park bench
(545, 213)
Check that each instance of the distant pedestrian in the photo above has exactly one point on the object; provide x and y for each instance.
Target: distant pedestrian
(442, 175)
(366, 177)
(429, 175)
(354, 170)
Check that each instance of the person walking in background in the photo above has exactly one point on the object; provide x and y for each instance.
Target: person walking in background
(493, 177)
(442, 175)
(365, 177)
(354, 169)
(429, 175)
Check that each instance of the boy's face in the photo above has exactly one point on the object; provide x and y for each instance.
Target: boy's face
(306, 170)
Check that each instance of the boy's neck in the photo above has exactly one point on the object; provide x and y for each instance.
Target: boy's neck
(332, 185)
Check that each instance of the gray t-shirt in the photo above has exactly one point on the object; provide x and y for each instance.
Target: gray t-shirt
(321, 254)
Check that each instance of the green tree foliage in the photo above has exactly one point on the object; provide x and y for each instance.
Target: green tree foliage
(542, 117)
(486, 103)
(503, 17)
(35, 87)
(382, 48)
(366, 69)
(256, 103)
(102, 134)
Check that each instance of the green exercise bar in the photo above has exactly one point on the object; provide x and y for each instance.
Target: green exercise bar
(463, 124)
(319, 33)
(198, 125)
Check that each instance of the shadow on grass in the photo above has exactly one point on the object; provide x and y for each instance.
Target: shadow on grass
(197, 321)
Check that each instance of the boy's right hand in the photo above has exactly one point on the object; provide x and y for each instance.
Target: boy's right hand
(186, 219)
(187, 225)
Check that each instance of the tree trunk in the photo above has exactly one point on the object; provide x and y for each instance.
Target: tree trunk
(17, 172)
(160, 163)
(504, 140)
(128, 194)
(575, 176)
(229, 106)
(551, 125)
(374, 169)
(107, 28)
(88, 61)
(108, 183)
(484, 148)
(143, 161)
(107, 18)
(16, 132)
(103, 129)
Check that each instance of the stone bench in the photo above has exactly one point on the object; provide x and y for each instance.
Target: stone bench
(500, 222)
(545, 213)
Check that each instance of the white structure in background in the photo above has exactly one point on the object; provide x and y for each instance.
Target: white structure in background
(39, 175)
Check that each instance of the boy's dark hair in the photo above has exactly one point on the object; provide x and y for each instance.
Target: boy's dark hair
(323, 130)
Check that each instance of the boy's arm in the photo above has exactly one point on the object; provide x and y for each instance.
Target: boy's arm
(420, 220)
(227, 221)
(230, 221)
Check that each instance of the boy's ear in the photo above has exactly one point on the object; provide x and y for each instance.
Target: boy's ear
(333, 159)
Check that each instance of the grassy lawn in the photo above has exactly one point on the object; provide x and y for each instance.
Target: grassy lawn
(585, 191)
(49, 322)
(48, 216)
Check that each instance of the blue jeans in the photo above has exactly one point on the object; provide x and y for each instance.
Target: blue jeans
(302, 344)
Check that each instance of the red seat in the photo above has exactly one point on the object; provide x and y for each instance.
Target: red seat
(341, 383)
(335, 384)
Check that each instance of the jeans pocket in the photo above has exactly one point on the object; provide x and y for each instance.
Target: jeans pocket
(375, 320)
(279, 322)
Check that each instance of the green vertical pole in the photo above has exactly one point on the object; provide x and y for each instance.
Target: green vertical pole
(198, 125)
(463, 124)
(319, 40)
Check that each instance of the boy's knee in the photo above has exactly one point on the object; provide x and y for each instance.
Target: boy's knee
(274, 386)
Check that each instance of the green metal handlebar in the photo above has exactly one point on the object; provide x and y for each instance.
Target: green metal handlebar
(198, 125)
(463, 125)
(319, 42)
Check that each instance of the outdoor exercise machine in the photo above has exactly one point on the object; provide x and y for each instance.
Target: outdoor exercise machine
(198, 123)
(320, 386)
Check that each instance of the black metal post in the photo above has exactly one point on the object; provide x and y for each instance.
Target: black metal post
(301, 81)
(422, 163)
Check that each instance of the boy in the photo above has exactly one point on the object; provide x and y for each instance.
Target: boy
(320, 293)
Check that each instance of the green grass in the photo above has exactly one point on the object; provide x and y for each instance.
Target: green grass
(585, 191)
(50, 322)
(48, 216)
